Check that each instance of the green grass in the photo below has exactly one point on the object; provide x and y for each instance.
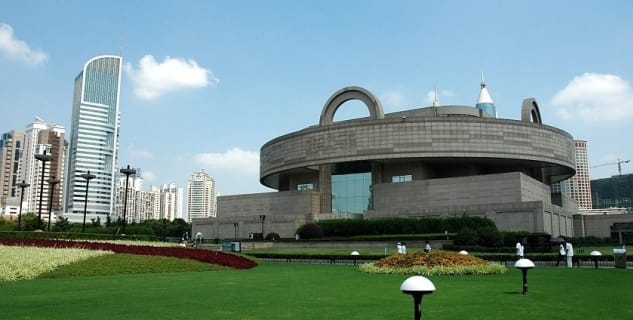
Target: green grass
(300, 291)
(128, 264)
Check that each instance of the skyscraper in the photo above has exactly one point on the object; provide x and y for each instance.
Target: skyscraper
(11, 144)
(94, 138)
(201, 196)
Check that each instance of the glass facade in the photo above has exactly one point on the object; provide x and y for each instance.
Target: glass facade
(94, 136)
(351, 192)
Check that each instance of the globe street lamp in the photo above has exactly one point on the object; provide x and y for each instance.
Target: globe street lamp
(524, 265)
(22, 185)
(262, 217)
(88, 176)
(43, 158)
(594, 255)
(52, 182)
(127, 172)
(417, 286)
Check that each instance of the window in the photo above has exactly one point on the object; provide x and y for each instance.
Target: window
(403, 178)
(305, 186)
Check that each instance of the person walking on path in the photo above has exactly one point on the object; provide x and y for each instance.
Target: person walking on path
(561, 254)
(570, 254)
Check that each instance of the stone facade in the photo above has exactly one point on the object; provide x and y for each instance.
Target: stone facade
(459, 160)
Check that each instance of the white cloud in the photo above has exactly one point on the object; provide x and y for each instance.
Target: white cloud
(149, 176)
(392, 98)
(595, 97)
(430, 96)
(237, 160)
(14, 48)
(139, 153)
(153, 79)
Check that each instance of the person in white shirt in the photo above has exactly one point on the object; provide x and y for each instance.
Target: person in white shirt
(570, 254)
(520, 251)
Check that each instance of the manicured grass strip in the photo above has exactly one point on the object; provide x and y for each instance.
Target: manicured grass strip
(122, 263)
(220, 258)
(23, 263)
(298, 291)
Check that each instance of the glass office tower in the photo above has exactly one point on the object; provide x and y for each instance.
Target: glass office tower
(94, 139)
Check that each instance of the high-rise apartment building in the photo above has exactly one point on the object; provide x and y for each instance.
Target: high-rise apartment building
(201, 196)
(578, 187)
(40, 138)
(170, 202)
(134, 211)
(11, 144)
(94, 139)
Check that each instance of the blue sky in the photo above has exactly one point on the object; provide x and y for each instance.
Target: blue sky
(207, 83)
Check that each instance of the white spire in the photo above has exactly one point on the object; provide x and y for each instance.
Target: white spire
(436, 103)
(484, 96)
(484, 102)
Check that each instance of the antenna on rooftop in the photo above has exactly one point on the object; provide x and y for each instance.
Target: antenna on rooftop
(436, 103)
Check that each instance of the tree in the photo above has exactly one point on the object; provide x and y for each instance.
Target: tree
(61, 225)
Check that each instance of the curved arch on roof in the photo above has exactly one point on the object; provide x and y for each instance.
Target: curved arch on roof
(530, 111)
(351, 93)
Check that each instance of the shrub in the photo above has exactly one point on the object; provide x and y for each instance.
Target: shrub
(310, 231)
(489, 237)
(466, 236)
(272, 236)
(382, 226)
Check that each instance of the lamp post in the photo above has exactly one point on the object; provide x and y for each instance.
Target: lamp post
(262, 217)
(88, 176)
(355, 255)
(127, 172)
(524, 265)
(52, 182)
(235, 224)
(417, 286)
(594, 255)
(43, 158)
(22, 185)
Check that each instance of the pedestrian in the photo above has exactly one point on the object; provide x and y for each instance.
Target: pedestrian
(561, 254)
(427, 247)
(399, 247)
(570, 254)
(404, 248)
(520, 251)
(199, 238)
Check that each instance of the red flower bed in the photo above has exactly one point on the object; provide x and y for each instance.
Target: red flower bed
(220, 258)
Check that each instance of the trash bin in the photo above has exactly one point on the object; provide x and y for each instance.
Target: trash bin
(619, 258)
(236, 246)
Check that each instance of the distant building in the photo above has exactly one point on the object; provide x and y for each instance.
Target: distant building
(201, 196)
(614, 192)
(171, 202)
(577, 187)
(39, 138)
(134, 197)
(94, 139)
(11, 145)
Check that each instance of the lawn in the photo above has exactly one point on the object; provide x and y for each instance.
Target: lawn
(300, 291)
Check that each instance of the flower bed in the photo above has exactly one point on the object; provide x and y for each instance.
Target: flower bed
(220, 258)
(435, 263)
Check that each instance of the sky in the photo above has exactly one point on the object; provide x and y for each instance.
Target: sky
(207, 83)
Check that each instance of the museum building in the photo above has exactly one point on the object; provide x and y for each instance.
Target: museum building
(429, 162)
